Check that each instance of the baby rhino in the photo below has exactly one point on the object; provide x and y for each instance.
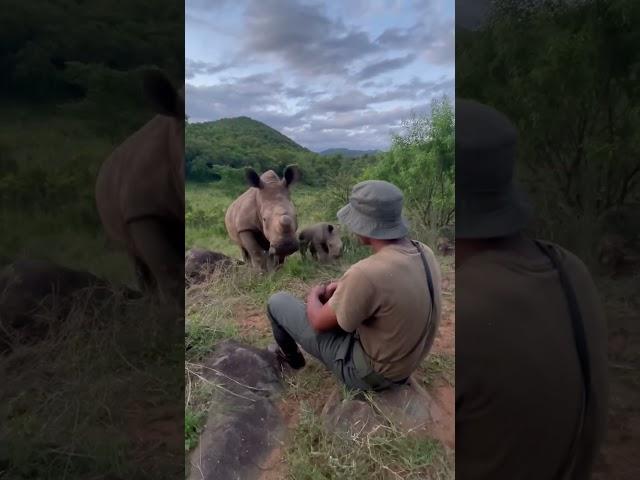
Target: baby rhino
(322, 240)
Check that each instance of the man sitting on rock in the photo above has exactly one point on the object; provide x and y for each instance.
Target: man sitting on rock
(374, 326)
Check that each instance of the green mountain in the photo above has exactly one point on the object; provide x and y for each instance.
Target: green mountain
(348, 153)
(218, 151)
(239, 142)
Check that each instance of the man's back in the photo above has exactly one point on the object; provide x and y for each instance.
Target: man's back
(386, 298)
(518, 381)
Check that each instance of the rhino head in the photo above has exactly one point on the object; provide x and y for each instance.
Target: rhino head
(275, 211)
(334, 242)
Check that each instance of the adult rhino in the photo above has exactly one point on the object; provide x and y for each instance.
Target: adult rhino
(262, 221)
(140, 192)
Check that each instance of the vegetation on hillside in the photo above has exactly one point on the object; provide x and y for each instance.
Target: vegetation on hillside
(219, 150)
(74, 50)
(237, 142)
(347, 152)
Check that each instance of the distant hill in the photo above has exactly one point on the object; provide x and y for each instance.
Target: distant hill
(346, 152)
(239, 142)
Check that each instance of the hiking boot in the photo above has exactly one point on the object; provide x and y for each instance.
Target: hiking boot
(294, 360)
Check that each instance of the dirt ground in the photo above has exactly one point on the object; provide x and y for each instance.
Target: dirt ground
(619, 459)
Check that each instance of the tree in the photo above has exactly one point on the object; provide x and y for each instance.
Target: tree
(421, 163)
(566, 74)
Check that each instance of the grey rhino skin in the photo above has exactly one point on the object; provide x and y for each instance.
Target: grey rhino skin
(140, 193)
(34, 294)
(263, 221)
(199, 263)
(323, 241)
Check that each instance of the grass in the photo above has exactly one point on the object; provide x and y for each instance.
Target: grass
(193, 422)
(79, 402)
(316, 454)
(231, 306)
(438, 366)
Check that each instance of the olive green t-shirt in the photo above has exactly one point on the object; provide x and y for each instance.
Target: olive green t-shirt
(385, 298)
(518, 377)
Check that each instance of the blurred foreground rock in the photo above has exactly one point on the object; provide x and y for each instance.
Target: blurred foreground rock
(244, 425)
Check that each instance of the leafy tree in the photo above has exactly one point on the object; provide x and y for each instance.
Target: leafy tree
(421, 163)
(566, 74)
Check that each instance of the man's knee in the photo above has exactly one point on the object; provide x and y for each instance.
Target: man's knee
(278, 301)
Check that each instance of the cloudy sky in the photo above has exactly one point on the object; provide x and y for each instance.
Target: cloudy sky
(327, 74)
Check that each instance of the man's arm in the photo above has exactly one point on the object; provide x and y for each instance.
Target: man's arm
(321, 316)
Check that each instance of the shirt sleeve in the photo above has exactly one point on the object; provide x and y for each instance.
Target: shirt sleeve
(354, 301)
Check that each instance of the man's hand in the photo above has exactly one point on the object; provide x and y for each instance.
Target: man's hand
(329, 290)
(320, 315)
(317, 291)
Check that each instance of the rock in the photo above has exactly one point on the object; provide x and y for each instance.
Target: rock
(242, 365)
(410, 408)
(199, 264)
(36, 293)
(245, 425)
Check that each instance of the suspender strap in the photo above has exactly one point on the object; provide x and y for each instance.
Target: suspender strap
(581, 347)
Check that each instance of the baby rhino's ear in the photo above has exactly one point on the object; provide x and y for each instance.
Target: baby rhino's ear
(330, 228)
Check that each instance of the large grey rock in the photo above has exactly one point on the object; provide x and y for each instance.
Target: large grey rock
(244, 426)
(199, 264)
(411, 409)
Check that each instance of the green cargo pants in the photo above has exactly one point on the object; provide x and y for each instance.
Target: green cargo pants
(339, 351)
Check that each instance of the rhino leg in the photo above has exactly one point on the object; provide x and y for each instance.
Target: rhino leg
(303, 249)
(157, 248)
(245, 255)
(323, 252)
(313, 250)
(146, 281)
(256, 253)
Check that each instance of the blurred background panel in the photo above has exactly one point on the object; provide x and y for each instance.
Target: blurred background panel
(91, 368)
(565, 73)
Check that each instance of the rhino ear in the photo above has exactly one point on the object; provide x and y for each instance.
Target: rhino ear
(162, 94)
(253, 179)
(330, 228)
(291, 174)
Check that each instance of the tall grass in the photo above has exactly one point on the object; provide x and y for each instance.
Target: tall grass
(82, 401)
(385, 453)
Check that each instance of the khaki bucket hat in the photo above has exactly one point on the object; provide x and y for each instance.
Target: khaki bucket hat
(375, 211)
(488, 202)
